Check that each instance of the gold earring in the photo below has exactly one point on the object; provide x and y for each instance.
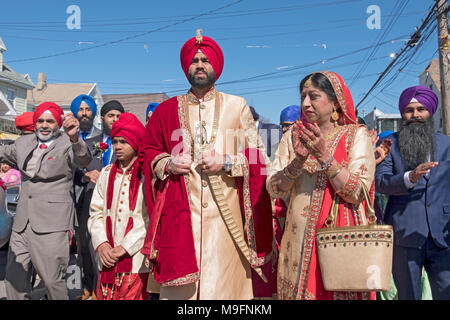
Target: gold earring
(335, 116)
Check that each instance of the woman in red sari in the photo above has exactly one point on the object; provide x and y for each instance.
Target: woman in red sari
(325, 153)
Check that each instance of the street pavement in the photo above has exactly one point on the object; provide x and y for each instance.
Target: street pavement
(38, 293)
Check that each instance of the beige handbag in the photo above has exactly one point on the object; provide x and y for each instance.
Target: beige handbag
(355, 258)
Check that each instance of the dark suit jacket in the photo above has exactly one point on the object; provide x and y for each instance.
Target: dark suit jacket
(271, 135)
(83, 191)
(423, 209)
(45, 198)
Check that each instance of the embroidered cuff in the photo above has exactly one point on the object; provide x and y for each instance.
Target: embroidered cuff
(237, 161)
(351, 187)
(160, 168)
(132, 246)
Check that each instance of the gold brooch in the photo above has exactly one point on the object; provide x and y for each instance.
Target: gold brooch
(199, 37)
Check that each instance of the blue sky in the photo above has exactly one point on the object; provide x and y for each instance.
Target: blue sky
(286, 39)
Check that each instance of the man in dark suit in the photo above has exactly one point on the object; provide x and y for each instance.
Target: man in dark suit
(416, 176)
(84, 183)
(270, 134)
(84, 109)
(45, 212)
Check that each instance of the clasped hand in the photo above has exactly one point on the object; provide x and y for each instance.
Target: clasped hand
(211, 162)
(108, 255)
(309, 140)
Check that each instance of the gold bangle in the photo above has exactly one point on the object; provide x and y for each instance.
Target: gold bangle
(333, 173)
(289, 175)
(292, 169)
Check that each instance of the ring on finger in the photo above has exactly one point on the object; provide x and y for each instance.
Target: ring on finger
(310, 143)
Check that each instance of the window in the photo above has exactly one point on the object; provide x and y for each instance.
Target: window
(11, 96)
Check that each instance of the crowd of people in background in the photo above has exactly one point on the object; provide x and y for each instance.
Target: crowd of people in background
(177, 209)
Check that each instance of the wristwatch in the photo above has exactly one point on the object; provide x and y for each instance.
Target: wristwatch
(227, 165)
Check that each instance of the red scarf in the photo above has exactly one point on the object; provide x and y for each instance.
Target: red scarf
(125, 264)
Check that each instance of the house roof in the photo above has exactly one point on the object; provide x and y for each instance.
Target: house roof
(7, 74)
(60, 93)
(432, 70)
(136, 103)
(2, 45)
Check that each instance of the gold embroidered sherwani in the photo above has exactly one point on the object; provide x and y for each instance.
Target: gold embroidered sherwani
(119, 213)
(361, 162)
(224, 271)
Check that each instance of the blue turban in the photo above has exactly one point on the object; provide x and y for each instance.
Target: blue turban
(421, 94)
(384, 134)
(151, 107)
(75, 106)
(290, 114)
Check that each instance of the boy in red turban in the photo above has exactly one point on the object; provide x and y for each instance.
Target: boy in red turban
(118, 217)
(210, 222)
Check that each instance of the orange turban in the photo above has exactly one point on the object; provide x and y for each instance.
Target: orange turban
(208, 47)
(25, 121)
(55, 110)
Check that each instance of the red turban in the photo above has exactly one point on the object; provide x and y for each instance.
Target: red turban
(55, 110)
(129, 127)
(25, 121)
(208, 47)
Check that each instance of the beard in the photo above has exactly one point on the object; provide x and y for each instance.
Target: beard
(202, 83)
(106, 129)
(86, 123)
(416, 141)
(44, 138)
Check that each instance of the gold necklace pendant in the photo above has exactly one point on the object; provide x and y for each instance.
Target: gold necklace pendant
(330, 135)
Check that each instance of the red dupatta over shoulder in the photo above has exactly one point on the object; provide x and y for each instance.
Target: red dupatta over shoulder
(169, 243)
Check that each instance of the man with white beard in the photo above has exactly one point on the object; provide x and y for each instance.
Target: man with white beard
(45, 211)
(415, 175)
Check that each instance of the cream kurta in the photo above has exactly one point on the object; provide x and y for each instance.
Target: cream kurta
(224, 271)
(361, 162)
(119, 213)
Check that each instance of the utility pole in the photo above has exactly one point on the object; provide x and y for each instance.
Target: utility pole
(444, 65)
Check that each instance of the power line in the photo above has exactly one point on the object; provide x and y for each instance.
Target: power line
(180, 18)
(399, 7)
(411, 43)
(127, 38)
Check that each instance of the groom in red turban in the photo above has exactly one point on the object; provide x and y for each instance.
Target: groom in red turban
(210, 227)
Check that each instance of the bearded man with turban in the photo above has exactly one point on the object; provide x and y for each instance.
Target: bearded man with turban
(210, 217)
(415, 175)
(84, 109)
(45, 212)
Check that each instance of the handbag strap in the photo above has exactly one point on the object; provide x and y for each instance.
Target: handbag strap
(370, 211)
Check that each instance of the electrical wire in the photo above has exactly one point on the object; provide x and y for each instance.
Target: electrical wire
(128, 38)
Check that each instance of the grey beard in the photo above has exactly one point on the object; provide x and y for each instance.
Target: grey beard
(202, 84)
(86, 125)
(44, 138)
(416, 142)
